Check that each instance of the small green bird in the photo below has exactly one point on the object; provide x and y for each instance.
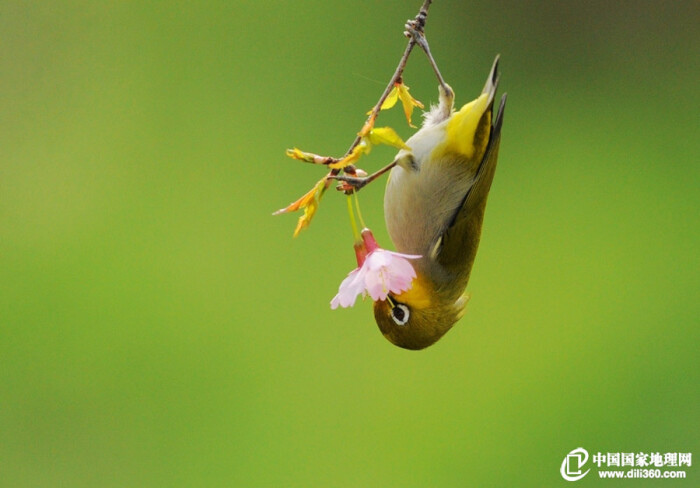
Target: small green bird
(434, 207)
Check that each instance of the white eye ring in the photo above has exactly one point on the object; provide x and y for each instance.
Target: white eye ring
(400, 314)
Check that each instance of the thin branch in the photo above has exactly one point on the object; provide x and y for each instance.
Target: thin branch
(420, 25)
(355, 178)
(398, 73)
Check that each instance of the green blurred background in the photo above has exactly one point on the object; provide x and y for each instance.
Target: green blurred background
(158, 327)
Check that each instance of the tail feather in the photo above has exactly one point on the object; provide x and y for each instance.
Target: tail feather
(492, 80)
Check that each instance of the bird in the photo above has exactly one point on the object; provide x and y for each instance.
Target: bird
(434, 206)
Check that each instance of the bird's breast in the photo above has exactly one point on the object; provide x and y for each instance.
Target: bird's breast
(420, 203)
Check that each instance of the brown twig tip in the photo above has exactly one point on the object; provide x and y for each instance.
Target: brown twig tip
(308, 157)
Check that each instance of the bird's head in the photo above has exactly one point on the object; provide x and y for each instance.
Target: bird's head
(417, 318)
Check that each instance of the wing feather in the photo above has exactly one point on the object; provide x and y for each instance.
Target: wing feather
(456, 249)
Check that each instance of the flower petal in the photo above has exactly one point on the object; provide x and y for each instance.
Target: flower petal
(351, 286)
(376, 284)
(388, 272)
(382, 272)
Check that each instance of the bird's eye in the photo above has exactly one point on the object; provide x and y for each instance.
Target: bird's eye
(400, 314)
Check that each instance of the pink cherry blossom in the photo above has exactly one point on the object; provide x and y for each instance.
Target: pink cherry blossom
(379, 273)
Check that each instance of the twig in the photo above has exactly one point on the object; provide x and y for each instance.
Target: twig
(419, 25)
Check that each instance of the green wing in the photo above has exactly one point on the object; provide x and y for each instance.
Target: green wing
(456, 249)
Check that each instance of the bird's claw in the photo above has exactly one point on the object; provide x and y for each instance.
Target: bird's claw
(414, 30)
